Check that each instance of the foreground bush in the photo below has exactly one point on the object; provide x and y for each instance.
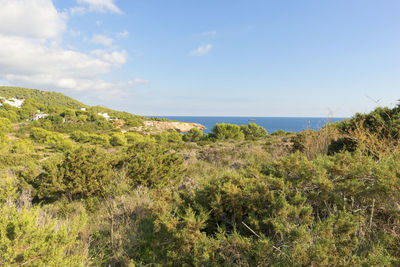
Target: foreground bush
(152, 165)
(339, 210)
(33, 238)
(82, 173)
(24, 240)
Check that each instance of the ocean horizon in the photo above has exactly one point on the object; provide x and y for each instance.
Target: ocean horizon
(271, 124)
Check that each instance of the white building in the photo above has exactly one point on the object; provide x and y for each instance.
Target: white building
(12, 102)
(105, 115)
(83, 109)
(39, 115)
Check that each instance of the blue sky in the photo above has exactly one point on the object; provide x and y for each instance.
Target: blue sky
(222, 58)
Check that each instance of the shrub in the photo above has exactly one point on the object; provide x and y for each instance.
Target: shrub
(312, 142)
(281, 133)
(22, 146)
(134, 122)
(133, 137)
(193, 135)
(152, 165)
(118, 139)
(32, 238)
(168, 137)
(82, 173)
(10, 114)
(5, 125)
(53, 139)
(253, 131)
(24, 242)
(223, 131)
(96, 139)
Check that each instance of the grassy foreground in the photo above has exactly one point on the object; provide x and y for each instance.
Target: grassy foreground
(79, 190)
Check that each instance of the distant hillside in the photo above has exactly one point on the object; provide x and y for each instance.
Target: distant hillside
(41, 97)
(62, 102)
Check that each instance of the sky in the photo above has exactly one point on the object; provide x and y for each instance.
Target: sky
(307, 58)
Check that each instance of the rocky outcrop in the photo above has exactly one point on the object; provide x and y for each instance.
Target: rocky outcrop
(161, 126)
(173, 125)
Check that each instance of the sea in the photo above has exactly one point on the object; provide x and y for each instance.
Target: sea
(271, 124)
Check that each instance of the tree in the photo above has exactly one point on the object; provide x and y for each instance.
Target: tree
(253, 131)
(223, 131)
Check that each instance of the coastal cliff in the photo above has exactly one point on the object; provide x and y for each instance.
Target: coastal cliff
(160, 126)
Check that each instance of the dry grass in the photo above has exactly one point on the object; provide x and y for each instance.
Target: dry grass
(373, 142)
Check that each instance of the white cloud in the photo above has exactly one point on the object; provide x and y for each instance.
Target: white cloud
(202, 50)
(74, 33)
(114, 58)
(123, 34)
(33, 18)
(102, 39)
(77, 10)
(137, 81)
(32, 53)
(100, 6)
(210, 33)
(35, 63)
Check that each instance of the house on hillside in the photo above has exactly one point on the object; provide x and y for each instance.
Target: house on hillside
(105, 115)
(39, 115)
(12, 102)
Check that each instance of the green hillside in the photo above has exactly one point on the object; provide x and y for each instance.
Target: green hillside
(41, 97)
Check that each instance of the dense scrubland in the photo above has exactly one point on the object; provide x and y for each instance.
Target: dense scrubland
(78, 190)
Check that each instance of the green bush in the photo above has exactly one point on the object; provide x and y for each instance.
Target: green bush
(95, 139)
(24, 241)
(168, 137)
(193, 135)
(82, 173)
(5, 125)
(52, 139)
(133, 137)
(33, 238)
(118, 139)
(253, 131)
(152, 165)
(22, 146)
(223, 131)
(10, 114)
(281, 133)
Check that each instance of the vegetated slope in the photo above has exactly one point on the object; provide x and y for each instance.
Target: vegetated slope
(77, 189)
(41, 97)
(381, 119)
(380, 127)
(49, 102)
